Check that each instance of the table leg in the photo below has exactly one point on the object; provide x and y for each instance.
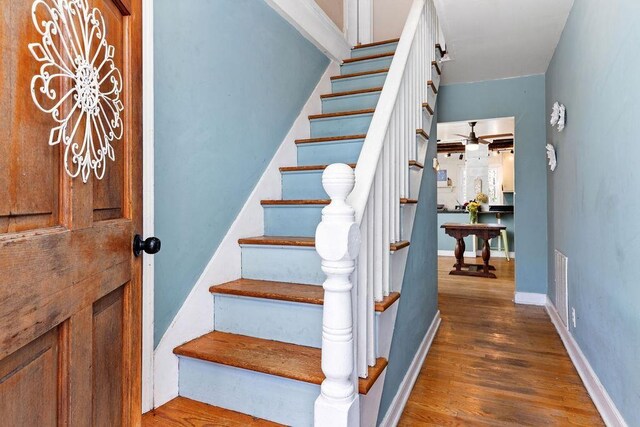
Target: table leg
(459, 252)
(486, 255)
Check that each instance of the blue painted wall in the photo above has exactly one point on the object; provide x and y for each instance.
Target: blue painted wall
(419, 296)
(524, 99)
(231, 76)
(594, 199)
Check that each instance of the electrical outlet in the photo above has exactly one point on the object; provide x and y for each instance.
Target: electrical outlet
(573, 316)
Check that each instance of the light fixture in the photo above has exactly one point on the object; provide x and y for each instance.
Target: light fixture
(511, 151)
(448, 154)
(472, 147)
(461, 156)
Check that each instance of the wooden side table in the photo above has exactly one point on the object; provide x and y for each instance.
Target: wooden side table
(485, 232)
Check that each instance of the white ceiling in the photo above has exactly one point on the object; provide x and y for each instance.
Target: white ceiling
(447, 131)
(495, 39)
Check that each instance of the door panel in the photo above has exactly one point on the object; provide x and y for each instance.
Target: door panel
(70, 287)
(25, 160)
(107, 359)
(31, 376)
(108, 192)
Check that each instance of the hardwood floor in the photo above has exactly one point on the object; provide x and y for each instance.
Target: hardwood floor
(494, 363)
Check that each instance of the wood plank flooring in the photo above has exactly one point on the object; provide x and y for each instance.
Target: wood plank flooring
(494, 363)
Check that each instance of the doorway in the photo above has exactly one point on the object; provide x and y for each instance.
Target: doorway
(476, 183)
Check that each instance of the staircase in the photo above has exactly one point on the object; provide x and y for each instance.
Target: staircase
(263, 358)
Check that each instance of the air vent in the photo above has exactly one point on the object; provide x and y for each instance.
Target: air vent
(562, 287)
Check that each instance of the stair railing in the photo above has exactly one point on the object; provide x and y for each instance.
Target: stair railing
(371, 216)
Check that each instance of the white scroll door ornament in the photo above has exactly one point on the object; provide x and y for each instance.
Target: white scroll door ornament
(74, 55)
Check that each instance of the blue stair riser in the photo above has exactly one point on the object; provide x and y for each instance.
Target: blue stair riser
(303, 185)
(284, 321)
(308, 184)
(292, 220)
(435, 77)
(325, 153)
(273, 398)
(367, 65)
(426, 119)
(292, 264)
(344, 125)
(357, 83)
(431, 97)
(415, 178)
(361, 101)
(374, 50)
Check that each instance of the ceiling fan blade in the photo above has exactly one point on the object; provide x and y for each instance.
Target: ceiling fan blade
(496, 135)
(464, 136)
(483, 141)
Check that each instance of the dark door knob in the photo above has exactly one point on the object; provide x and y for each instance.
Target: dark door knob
(150, 245)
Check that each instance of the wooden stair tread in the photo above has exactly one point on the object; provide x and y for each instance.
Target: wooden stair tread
(308, 168)
(422, 133)
(428, 107)
(351, 92)
(279, 241)
(368, 57)
(308, 242)
(435, 64)
(323, 167)
(281, 291)
(341, 114)
(301, 202)
(380, 43)
(284, 291)
(277, 358)
(360, 74)
(387, 302)
(399, 245)
(297, 202)
(181, 412)
(433, 87)
(330, 138)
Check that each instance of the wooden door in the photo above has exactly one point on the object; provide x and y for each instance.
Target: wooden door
(70, 287)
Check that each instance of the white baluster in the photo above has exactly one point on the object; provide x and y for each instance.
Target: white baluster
(337, 243)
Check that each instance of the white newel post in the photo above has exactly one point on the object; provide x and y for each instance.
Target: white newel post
(337, 243)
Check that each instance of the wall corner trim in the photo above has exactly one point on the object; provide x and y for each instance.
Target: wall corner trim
(528, 298)
(608, 410)
(311, 21)
(399, 401)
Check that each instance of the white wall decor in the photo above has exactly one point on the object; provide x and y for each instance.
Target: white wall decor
(558, 116)
(74, 55)
(551, 155)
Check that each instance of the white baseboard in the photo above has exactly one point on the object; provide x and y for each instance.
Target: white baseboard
(528, 298)
(608, 410)
(394, 412)
(314, 24)
(195, 317)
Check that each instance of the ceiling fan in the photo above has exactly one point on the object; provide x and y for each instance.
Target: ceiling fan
(471, 141)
